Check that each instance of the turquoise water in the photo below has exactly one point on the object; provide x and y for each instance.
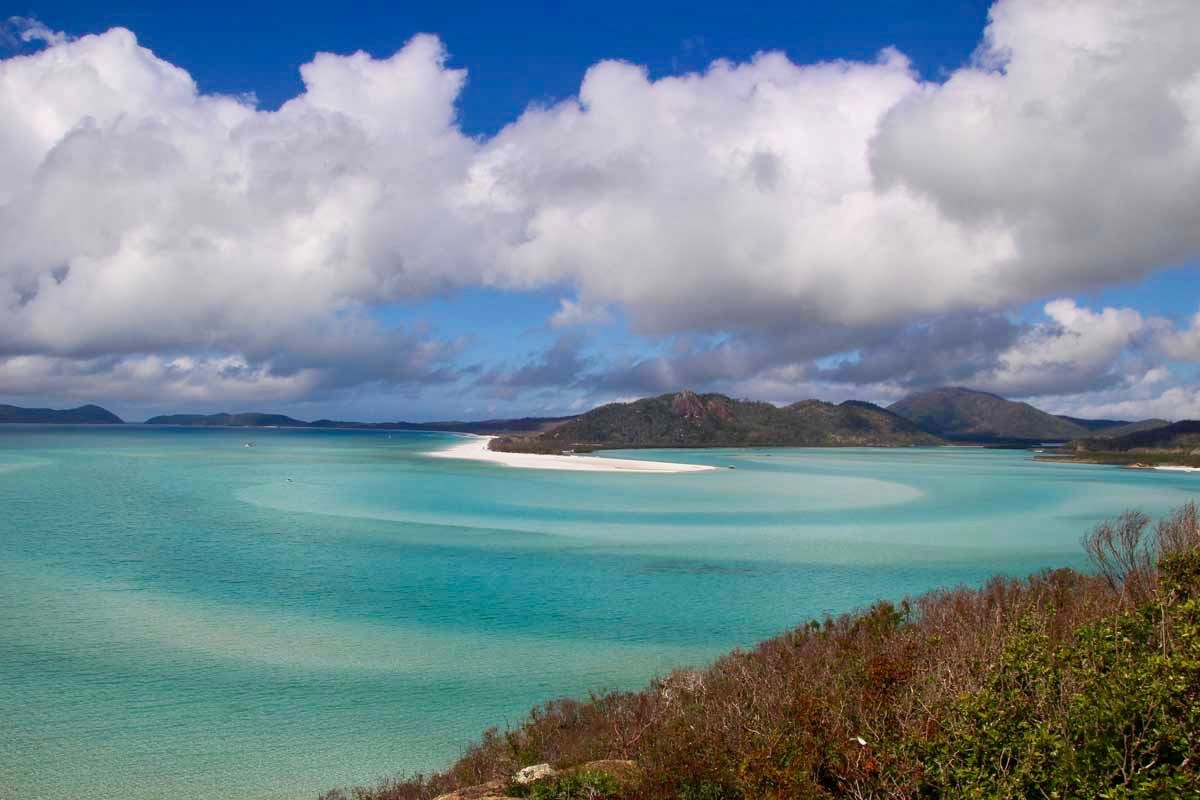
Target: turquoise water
(183, 616)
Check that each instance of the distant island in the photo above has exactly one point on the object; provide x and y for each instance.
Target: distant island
(261, 420)
(945, 415)
(939, 416)
(1166, 445)
(83, 415)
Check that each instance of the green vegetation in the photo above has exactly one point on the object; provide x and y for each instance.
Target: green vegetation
(84, 415)
(687, 419)
(1061, 685)
(582, 785)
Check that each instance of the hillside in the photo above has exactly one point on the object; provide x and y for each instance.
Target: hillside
(1109, 428)
(1096, 424)
(1061, 685)
(687, 419)
(968, 415)
(1177, 444)
(1181, 437)
(855, 422)
(83, 415)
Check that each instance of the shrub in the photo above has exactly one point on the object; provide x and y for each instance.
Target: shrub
(581, 785)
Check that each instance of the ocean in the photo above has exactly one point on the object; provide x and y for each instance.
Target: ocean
(183, 615)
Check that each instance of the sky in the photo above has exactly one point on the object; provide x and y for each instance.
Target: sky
(391, 211)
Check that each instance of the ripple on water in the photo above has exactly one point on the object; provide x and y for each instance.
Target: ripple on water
(178, 618)
(579, 506)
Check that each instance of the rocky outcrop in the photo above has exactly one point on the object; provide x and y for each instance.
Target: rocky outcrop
(492, 790)
(534, 773)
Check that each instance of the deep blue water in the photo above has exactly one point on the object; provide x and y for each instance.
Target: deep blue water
(183, 616)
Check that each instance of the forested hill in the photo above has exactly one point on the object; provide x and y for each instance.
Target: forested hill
(83, 415)
(687, 419)
(962, 414)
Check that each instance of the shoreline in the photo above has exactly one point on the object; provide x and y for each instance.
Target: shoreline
(1121, 463)
(476, 449)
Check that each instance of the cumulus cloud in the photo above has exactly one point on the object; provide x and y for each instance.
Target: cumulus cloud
(1152, 394)
(778, 212)
(1075, 350)
(759, 194)
(142, 217)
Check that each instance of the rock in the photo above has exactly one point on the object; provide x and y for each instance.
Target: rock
(536, 772)
(492, 790)
(688, 405)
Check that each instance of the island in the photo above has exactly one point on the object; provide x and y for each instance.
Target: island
(1174, 446)
(83, 415)
(688, 419)
(258, 419)
(947, 415)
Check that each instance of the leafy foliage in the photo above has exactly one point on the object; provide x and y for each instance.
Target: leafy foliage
(581, 785)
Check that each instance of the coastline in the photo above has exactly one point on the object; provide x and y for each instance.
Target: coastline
(1115, 461)
(476, 449)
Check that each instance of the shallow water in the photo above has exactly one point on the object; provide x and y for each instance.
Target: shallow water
(183, 616)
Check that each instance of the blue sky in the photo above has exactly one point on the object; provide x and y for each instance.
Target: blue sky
(545, 206)
(522, 53)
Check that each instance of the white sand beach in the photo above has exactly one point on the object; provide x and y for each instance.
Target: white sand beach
(476, 449)
(1180, 469)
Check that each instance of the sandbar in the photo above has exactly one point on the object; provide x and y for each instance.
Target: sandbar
(476, 449)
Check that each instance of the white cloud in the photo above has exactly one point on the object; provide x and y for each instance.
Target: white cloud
(144, 219)
(758, 194)
(1075, 349)
(1153, 394)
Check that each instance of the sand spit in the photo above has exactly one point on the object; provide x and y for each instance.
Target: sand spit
(476, 449)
